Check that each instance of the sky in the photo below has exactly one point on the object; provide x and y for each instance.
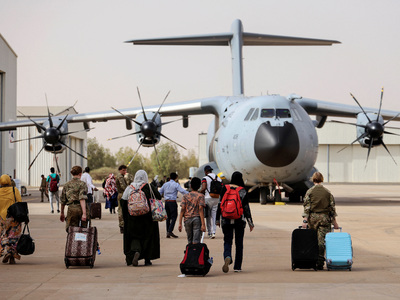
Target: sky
(74, 50)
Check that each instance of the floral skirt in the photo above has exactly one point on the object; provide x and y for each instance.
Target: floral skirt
(10, 231)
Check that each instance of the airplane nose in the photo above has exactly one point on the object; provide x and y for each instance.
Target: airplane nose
(276, 146)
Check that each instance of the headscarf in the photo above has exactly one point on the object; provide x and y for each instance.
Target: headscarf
(7, 195)
(237, 179)
(110, 187)
(140, 178)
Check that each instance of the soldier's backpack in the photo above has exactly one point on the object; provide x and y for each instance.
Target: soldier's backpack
(137, 202)
(215, 187)
(53, 187)
(231, 204)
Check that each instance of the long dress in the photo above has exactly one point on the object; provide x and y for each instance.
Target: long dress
(141, 233)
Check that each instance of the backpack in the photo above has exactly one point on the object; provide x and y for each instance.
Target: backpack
(137, 202)
(215, 187)
(53, 186)
(231, 204)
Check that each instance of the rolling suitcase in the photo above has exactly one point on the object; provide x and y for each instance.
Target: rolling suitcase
(304, 249)
(81, 246)
(196, 260)
(95, 207)
(339, 250)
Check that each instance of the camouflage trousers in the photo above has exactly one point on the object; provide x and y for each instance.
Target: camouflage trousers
(74, 214)
(322, 224)
(120, 216)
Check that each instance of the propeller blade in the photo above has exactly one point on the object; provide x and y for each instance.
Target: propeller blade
(48, 113)
(140, 99)
(56, 160)
(380, 106)
(360, 107)
(380, 139)
(171, 122)
(35, 158)
(27, 139)
(356, 140)
(155, 149)
(171, 140)
(118, 137)
(387, 132)
(62, 122)
(137, 150)
(391, 119)
(38, 126)
(154, 117)
(71, 132)
(67, 109)
(340, 122)
(62, 143)
(369, 150)
(136, 122)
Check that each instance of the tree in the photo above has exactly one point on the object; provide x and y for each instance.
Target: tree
(169, 158)
(98, 156)
(187, 161)
(124, 156)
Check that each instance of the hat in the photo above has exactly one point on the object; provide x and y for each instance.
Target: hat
(207, 168)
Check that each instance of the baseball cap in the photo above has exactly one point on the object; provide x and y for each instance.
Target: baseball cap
(207, 168)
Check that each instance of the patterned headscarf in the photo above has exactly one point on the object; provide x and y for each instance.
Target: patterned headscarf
(110, 187)
(140, 178)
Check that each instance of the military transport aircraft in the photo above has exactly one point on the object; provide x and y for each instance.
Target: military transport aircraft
(270, 139)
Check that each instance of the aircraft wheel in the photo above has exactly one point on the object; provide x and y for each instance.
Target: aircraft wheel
(263, 195)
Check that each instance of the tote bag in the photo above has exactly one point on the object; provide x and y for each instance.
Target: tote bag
(158, 211)
(26, 244)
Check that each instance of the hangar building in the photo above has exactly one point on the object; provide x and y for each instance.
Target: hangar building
(8, 105)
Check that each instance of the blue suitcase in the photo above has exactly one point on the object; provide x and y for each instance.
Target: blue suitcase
(339, 250)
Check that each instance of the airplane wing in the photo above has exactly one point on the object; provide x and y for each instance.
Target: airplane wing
(324, 108)
(185, 108)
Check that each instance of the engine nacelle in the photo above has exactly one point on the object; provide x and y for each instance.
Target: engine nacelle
(149, 130)
(53, 135)
(370, 129)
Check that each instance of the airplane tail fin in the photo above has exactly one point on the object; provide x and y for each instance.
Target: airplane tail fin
(236, 39)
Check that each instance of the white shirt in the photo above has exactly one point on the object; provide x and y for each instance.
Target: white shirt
(208, 180)
(86, 178)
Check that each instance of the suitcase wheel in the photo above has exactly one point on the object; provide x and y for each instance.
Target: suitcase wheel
(66, 263)
(91, 263)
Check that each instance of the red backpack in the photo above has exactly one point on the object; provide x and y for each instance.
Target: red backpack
(231, 204)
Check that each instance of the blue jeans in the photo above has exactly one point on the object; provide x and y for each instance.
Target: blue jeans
(172, 213)
(238, 229)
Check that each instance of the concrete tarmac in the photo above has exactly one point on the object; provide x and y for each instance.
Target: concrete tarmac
(370, 213)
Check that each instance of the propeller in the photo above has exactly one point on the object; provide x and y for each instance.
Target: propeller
(53, 134)
(374, 129)
(149, 128)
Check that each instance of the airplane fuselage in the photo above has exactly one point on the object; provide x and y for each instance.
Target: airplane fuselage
(265, 138)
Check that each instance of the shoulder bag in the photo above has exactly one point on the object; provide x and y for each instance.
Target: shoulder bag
(19, 211)
(158, 211)
(26, 244)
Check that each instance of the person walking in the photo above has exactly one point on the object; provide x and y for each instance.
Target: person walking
(170, 191)
(123, 180)
(141, 233)
(10, 230)
(111, 192)
(53, 181)
(192, 210)
(319, 213)
(86, 178)
(212, 203)
(234, 225)
(43, 189)
(74, 195)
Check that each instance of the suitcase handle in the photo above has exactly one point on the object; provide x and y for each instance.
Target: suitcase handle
(301, 227)
(333, 229)
(88, 223)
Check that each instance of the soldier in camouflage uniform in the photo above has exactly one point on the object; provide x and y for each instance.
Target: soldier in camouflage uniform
(122, 180)
(319, 213)
(74, 195)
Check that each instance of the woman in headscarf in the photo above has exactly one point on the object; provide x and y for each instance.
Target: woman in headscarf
(10, 230)
(141, 233)
(235, 226)
(111, 192)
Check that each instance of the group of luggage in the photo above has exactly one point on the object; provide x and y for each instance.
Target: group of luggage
(338, 253)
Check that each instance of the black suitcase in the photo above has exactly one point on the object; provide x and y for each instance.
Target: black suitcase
(196, 260)
(304, 249)
(95, 207)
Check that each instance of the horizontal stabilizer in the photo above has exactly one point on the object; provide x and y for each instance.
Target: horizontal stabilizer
(192, 40)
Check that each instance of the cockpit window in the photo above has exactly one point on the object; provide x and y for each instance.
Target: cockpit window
(267, 113)
(255, 115)
(249, 114)
(283, 113)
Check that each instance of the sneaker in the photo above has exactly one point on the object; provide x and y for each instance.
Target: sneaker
(58, 210)
(52, 211)
(209, 235)
(213, 236)
(227, 262)
(135, 261)
(171, 234)
(237, 271)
